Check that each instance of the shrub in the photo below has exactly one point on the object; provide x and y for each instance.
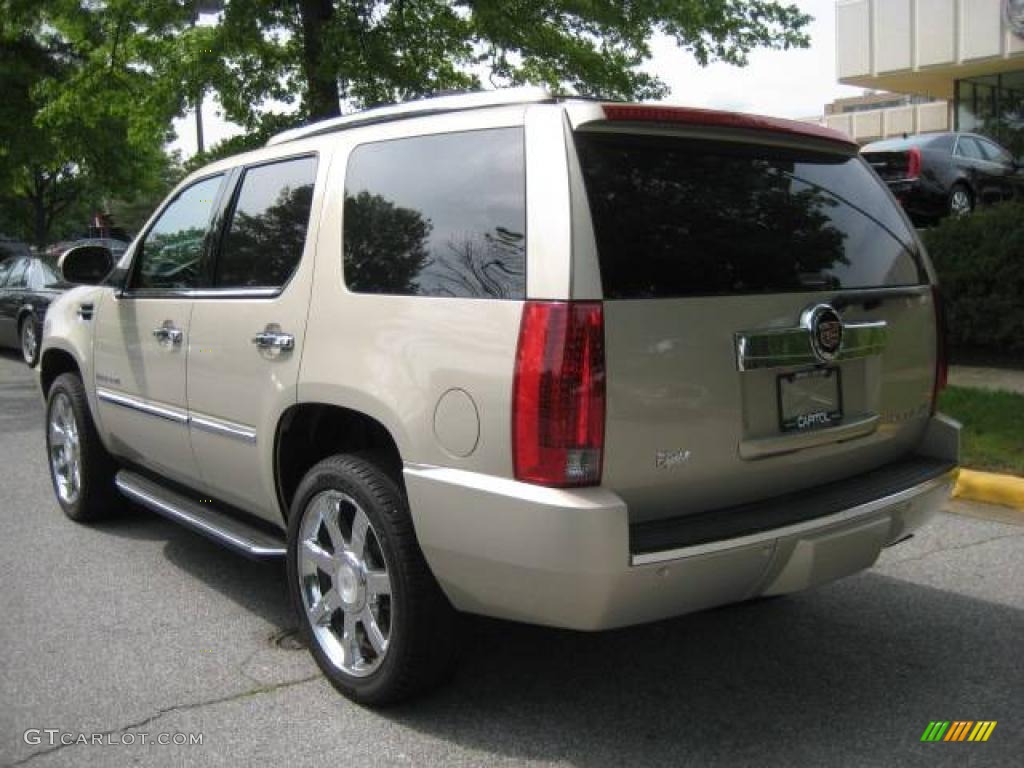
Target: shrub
(980, 263)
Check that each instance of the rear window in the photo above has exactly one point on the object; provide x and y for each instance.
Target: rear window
(681, 217)
(930, 140)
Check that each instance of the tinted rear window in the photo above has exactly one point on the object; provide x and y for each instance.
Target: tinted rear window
(931, 140)
(678, 217)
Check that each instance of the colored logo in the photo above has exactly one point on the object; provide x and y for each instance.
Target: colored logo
(826, 330)
(958, 730)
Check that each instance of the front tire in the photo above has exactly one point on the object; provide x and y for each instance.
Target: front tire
(29, 336)
(81, 469)
(372, 613)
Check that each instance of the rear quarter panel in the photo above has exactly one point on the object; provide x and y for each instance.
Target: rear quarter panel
(394, 358)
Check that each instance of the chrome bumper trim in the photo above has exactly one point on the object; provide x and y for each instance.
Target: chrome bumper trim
(845, 516)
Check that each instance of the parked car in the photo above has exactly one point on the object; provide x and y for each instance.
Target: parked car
(573, 363)
(934, 175)
(27, 286)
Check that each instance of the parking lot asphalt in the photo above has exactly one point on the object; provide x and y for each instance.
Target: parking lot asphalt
(137, 626)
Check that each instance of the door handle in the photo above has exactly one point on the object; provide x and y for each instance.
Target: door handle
(270, 339)
(168, 334)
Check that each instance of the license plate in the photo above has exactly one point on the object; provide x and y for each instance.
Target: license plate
(810, 399)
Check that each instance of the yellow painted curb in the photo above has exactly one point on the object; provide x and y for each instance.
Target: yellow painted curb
(990, 488)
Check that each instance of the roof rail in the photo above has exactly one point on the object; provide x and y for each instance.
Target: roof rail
(431, 105)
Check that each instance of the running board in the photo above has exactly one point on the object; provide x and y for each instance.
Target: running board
(206, 520)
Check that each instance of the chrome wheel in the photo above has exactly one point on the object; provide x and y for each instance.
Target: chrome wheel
(65, 449)
(29, 341)
(960, 202)
(344, 583)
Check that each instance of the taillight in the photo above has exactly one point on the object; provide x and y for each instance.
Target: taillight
(558, 395)
(941, 357)
(913, 163)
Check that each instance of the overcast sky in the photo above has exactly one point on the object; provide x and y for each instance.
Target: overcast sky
(782, 83)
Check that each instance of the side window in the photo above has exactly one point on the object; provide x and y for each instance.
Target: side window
(264, 240)
(19, 275)
(170, 255)
(995, 153)
(46, 274)
(5, 269)
(968, 147)
(440, 215)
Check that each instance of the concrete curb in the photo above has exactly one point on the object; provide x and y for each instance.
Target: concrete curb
(990, 488)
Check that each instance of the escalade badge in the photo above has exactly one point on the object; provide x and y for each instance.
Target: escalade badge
(826, 330)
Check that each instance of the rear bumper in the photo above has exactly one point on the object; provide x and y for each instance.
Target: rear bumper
(563, 558)
(919, 198)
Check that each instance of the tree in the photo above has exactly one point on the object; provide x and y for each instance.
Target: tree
(80, 121)
(364, 52)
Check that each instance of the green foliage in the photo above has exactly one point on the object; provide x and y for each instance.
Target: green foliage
(91, 86)
(376, 227)
(993, 436)
(980, 262)
(81, 118)
(365, 52)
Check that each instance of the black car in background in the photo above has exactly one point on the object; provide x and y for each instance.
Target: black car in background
(27, 286)
(945, 174)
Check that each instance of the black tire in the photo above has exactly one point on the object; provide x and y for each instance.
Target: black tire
(952, 206)
(96, 497)
(30, 356)
(422, 645)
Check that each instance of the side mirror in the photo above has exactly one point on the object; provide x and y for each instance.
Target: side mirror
(86, 264)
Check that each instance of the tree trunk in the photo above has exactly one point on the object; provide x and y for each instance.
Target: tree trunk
(322, 95)
(37, 199)
(40, 225)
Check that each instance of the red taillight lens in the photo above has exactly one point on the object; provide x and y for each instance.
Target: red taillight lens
(941, 355)
(558, 396)
(913, 163)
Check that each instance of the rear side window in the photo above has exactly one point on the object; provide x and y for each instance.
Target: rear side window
(968, 147)
(19, 274)
(5, 269)
(440, 215)
(264, 240)
(681, 217)
(171, 253)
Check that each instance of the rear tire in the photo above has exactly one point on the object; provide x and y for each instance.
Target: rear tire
(375, 619)
(28, 334)
(961, 201)
(81, 470)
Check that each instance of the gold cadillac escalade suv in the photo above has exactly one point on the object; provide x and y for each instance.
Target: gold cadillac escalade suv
(575, 363)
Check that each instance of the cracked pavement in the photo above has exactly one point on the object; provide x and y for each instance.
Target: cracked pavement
(137, 625)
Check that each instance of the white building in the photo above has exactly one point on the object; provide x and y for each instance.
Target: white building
(969, 53)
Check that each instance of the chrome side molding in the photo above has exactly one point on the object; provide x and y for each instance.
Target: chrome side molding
(205, 423)
(221, 427)
(142, 406)
(785, 347)
(200, 517)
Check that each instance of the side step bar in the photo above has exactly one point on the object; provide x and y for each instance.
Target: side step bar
(209, 521)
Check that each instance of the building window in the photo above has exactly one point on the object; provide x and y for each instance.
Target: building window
(993, 106)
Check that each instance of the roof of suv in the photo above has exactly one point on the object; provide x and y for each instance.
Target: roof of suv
(615, 111)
